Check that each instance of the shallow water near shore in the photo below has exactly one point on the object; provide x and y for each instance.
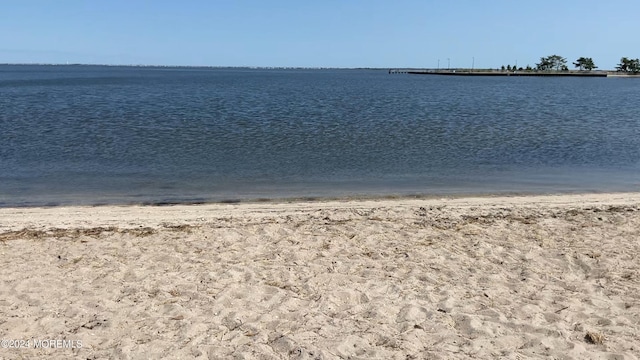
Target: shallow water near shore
(117, 135)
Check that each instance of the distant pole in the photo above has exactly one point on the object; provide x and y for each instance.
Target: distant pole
(473, 62)
(448, 63)
(438, 64)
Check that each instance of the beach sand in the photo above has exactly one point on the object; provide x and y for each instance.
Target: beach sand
(553, 277)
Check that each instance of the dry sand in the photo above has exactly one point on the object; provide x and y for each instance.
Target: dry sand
(554, 277)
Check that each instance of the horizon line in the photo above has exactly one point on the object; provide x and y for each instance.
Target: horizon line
(264, 67)
(204, 66)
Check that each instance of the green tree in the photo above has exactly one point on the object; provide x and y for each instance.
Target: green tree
(553, 62)
(634, 66)
(585, 63)
(629, 65)
(543, 64)
(624, 64)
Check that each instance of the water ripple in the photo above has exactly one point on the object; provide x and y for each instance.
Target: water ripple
(207, 133)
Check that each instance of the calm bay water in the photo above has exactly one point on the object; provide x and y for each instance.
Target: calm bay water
(92, 134)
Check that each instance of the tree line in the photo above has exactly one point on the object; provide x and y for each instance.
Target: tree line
(559, 63)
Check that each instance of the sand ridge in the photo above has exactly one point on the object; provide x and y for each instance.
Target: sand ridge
(452, 278)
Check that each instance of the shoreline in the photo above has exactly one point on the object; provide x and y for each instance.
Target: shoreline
(118, 212)
(443, 278)
(467, 72)
(219, 200)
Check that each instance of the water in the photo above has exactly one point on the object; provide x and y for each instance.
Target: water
(93, 135)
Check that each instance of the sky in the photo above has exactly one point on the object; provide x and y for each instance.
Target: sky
(318, 33)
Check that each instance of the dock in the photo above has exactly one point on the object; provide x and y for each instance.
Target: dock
(469, 72)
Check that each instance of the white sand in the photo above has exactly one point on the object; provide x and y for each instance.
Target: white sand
(494, 277)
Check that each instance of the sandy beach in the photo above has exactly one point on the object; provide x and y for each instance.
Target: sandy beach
(551, 277)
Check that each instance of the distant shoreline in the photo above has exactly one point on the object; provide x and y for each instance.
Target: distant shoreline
(469, 72)
(412, 71)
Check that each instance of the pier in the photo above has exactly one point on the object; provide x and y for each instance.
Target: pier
(484, 72)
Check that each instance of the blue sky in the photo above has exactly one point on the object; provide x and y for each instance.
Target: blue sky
(327, 33)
